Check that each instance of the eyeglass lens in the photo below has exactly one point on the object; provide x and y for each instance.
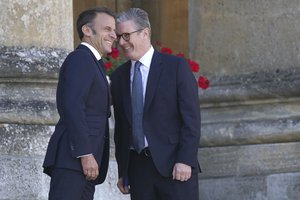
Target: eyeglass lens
(126, 36)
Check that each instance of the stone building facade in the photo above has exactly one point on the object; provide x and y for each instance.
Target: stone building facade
(250, 51)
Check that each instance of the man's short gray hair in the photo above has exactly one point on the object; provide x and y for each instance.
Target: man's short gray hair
(137, 15)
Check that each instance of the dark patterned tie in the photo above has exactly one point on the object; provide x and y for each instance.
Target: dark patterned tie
(137, 109)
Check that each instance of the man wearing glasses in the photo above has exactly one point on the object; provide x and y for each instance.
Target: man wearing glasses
(157, 117)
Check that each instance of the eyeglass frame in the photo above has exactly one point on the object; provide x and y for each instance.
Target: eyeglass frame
(123, 35)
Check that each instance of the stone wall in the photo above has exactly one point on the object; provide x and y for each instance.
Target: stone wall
(39, 23)
(249, 50)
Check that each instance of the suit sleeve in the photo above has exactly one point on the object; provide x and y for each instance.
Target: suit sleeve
(117, 130)
(77, 80)
(189, 108)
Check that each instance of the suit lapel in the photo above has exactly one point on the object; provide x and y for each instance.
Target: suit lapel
(103, 74)
(153, 79)
(102, 70)
(127, 92)
(125, 88)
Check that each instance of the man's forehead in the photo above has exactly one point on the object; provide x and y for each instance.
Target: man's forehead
(126, 25)
(105, 20)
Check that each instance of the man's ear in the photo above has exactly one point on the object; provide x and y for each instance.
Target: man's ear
(87, 31)
(147, 32)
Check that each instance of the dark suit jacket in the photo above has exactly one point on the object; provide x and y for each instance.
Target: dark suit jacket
(171, 118)
(83, 106)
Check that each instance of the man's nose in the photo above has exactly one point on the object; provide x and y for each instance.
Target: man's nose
(121, 41)
(113, 35)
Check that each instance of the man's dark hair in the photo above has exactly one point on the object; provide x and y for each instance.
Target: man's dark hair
(87, 17)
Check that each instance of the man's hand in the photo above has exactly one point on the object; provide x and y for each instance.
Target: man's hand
(90, 167)
(123, 188)
(181, 172)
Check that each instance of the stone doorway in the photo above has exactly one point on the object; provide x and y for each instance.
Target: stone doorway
(169, 19)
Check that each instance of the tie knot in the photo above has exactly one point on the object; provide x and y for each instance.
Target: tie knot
(137, 65)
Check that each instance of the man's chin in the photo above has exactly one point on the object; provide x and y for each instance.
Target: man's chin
(107, 51)
(127, 55)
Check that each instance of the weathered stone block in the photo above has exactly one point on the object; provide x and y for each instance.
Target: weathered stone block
(249, 160)
(30, 62)
(24, 140)
(239, 37)
(28, 102)
(234, 188)
(263, 84)
(21, 178)
(284, 186)
(30, 140)
(37, 23)
(242, 132)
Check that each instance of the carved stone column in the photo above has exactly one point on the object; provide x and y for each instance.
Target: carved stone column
(249, 50)
(35, 38)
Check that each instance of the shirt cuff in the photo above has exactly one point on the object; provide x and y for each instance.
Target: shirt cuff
(85, 155)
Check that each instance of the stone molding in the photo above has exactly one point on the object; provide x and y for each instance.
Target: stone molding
(261, 85)
(30, 62)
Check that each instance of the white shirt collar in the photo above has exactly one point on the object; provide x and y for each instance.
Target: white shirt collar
(146, 59)
(93, 50)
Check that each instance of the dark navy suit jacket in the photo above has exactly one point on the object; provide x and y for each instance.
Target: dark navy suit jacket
(83, 106)
(171, 120)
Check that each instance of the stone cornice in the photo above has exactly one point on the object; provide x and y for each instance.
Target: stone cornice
(262, 85)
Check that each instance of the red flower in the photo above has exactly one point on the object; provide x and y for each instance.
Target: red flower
(194, 65)
(114, 53)
(158, 43)
(180, 55)
(108, 65)
(203, 82)
(166, 50)
(116, 58)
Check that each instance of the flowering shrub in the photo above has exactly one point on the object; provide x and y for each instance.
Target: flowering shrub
(203, 82)
(115, 59)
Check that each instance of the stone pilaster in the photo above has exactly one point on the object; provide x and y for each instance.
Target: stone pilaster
(250, 116)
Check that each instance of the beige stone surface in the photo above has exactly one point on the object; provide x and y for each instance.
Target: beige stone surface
(250, 122)
(249, 160)
(40, 23)
(282, 186)
(34, 103)
(21, 178)
(234, 36)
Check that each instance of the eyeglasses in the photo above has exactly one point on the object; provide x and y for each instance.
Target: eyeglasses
(126, 36)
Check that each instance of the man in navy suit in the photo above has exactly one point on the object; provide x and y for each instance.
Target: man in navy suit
(78, 151)
(166, 167)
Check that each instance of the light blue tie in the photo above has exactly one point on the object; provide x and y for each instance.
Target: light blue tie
(137, 109)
